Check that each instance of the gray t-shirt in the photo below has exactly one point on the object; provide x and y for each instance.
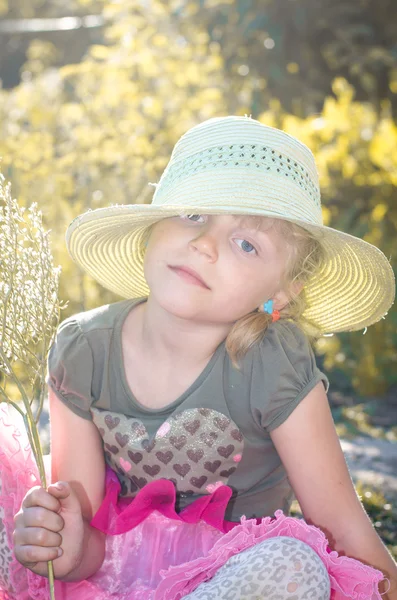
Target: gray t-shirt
(215, 433)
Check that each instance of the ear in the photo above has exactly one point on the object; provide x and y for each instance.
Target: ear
(282, 297)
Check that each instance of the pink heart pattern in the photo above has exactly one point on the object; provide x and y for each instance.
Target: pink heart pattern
(197, 449)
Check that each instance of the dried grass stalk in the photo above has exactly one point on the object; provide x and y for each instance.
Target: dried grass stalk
(29, 315)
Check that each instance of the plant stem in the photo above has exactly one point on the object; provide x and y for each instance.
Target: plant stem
(34, 440)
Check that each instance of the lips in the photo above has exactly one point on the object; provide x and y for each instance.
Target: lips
(189, 275)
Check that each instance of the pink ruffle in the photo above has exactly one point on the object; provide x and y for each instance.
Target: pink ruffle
(349, 578)
(18, 473)
(146, 532)
(117, 515)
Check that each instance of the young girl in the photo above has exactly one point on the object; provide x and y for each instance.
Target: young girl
(185, 417)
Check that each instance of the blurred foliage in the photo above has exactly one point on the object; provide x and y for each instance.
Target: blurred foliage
(97, 132)
(351, 421)
(93, 133)
(382, 513)
(293, 49)
(288, 49)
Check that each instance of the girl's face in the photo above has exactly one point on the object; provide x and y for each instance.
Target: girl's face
(215, 268)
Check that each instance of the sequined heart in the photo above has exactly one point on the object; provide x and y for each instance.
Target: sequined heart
(205, 412)
(212, 466)
(178, 442)
(138, 429)
(148, 445)
(237, 435)
(195, 448)
(152, 471)
(165, 457)
(182, 470)
(136, 457)
(111, 422)
(112, 449)
(198, 482)
(227, 473)
(140, 482)
(122, 439)
(195, 455)
(192, 427)
(225, 451)
(221, 422)
(209, 438)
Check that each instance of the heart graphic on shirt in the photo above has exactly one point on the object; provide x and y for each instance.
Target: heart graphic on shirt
(164, 429)
(228, 472)
(165, 457)
(237, 435)
(192, 427)
(125, 464)
(140, 482)
(182, 470)
(226, 452)
(197, 449)
(209, 438)
(152, 471)
(121, 439)
(148, 445)
(195, 455)
(136, 457)
(214, 486)
(113, 449)
(212, 466)
(111, 422)
(198, 482)
(221, 422)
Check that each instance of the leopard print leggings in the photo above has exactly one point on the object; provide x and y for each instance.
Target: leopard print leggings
(6, 555)
(280, 568)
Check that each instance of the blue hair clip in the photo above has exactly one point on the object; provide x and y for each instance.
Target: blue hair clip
(268, 307)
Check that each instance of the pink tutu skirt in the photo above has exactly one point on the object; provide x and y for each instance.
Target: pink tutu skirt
(152, 552)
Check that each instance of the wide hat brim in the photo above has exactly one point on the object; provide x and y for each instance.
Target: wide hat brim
(354, 289)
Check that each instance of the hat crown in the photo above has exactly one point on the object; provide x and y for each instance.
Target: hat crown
(262, 170)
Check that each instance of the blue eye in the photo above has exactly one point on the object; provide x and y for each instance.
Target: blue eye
(247, 247)
(194, 218)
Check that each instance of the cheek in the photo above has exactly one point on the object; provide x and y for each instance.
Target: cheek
(252, 285)
(245, 293)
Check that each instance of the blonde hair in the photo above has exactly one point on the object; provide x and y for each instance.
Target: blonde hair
(305, 257)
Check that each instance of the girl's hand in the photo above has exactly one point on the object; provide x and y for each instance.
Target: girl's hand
(49, 526)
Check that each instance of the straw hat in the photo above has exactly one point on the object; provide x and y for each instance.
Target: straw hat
(237, 165)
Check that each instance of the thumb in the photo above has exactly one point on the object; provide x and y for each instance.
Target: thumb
(67, 497)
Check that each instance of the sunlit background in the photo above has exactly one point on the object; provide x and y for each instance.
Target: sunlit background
(95, 94)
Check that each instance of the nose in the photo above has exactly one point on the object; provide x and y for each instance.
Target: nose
(206, 244)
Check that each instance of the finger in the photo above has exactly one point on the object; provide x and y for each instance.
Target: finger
(65, 495)
(38, 496)
(30, 555)
(36, 536)
(39, 517)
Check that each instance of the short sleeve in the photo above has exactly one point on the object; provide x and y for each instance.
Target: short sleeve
(283, 373)
(70, 368)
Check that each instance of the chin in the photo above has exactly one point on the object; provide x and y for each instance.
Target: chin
(179, 302)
